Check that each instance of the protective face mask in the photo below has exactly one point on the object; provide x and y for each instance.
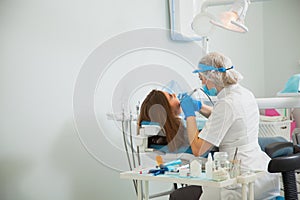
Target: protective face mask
(211, 92)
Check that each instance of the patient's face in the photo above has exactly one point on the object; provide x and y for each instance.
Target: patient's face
(174, 102)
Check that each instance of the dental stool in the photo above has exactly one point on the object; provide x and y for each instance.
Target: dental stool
(286, 165)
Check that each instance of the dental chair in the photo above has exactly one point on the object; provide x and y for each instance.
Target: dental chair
(286, 164)
(149, 144)
(149, 141)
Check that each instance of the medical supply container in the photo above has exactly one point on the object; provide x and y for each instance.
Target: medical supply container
(195, 167)
(271, 129)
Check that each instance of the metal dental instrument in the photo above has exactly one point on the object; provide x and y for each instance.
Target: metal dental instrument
(192, 92)
(188, 93)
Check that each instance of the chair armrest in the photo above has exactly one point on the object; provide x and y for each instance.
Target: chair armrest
(272, 148)
(285, 163)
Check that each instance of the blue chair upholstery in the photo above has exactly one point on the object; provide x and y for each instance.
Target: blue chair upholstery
(265, 141)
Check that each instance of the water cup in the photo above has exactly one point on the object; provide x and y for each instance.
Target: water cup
(235, 168)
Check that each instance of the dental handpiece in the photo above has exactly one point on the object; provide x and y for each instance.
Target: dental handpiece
(192, 92)
(188, 94)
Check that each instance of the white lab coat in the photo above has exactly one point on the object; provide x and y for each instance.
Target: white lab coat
(234, 122)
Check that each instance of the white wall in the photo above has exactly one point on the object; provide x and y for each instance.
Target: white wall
(282, 43)
(245, 50)
(43, 47)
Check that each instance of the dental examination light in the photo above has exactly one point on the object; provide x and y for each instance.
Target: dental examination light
(232, 20)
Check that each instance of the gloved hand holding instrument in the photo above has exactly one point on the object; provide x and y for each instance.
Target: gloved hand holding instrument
(189, 105)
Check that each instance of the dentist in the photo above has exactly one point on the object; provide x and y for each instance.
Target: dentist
(232, 123)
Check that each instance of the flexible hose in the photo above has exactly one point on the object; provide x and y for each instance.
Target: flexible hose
(207, 96)
(127, 153)
(131, 142)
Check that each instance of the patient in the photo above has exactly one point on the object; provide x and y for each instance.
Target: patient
(164, 108)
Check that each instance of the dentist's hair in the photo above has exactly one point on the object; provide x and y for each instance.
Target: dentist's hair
(221, 79)
(156, 108)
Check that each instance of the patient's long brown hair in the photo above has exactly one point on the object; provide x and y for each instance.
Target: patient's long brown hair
(156, 108)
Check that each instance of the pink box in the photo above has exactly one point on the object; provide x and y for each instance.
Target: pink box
(293, 126)
(271, 112)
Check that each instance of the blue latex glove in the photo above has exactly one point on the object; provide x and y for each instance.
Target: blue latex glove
(187, 106)
(197, 104)
(181, 95)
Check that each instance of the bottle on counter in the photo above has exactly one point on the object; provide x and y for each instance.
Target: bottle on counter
(195, 167)
(209, 165)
